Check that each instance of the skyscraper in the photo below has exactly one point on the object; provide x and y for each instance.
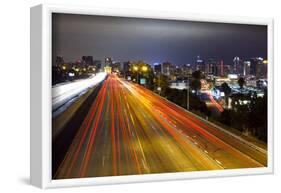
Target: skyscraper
(211, 67)
(200, 64)
(186, 69)
(168, 69)
(220, 68)
(258, 67)
(237, 65)
(246, 68)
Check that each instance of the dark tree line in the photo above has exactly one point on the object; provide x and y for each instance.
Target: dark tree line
(180, 98)
(248, 118)
(195, 82)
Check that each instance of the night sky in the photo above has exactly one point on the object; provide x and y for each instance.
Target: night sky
(153, 40)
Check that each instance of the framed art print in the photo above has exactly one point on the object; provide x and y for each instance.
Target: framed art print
(121, 96)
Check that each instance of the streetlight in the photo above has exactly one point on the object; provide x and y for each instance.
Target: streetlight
(159, 84)
(144, 68)
(187, 89)
(135, 68)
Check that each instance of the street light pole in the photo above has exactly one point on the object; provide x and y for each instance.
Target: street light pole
(159, 84)
(187, 89)
(136, 69)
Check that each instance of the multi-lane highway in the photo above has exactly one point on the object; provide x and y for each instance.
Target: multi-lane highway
(130, 130)
(64, 92)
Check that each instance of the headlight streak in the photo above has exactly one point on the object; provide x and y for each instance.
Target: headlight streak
(62, 93)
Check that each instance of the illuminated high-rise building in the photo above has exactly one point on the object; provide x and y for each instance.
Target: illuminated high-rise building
(220, 68)
(186, 69)
(258, 67)
(200, 64)
(237, 66)
(211, 67)
(246, 68)
(157, 68)
(168, 69)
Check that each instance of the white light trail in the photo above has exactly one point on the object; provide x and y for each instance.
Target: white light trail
(64, 92)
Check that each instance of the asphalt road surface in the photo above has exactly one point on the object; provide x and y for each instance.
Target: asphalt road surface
(130, 130)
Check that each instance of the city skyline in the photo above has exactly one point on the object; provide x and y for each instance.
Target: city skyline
(154, 41)
(194, 62)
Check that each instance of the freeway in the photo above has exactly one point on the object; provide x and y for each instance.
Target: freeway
(130, 130)
(206, 96)
(211, 103)
(64, 92)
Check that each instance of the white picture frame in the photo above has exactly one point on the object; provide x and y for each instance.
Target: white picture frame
(40, 164)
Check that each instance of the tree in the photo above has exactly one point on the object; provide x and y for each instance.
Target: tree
(197, 75)
(150, 80)
(179, 97)
(241, 82)
(225, 117)
(162, 81)
(227, 91)
(195, 83)
(258, 108)
(197, 105)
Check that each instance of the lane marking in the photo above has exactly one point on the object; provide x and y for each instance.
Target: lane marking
(218, 161)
